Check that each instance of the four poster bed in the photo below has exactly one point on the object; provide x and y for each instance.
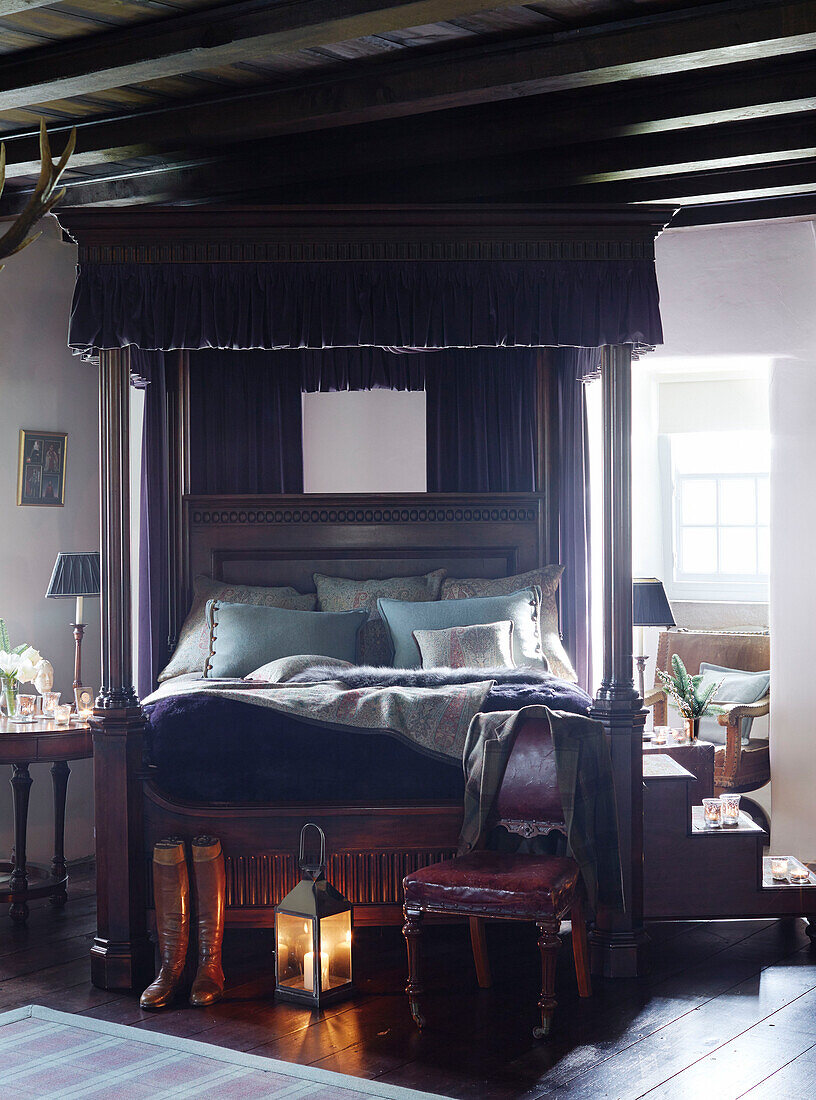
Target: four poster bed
(177, 280)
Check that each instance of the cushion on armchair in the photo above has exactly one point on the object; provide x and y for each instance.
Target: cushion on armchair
(736, 686)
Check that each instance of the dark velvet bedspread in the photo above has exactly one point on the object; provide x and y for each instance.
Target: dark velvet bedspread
(206, 749)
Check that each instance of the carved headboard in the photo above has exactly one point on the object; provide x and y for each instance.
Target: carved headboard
(276, 540)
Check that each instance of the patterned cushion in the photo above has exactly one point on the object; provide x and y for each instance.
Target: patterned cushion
(194, 638)
(342, 594)
(403, 618)
(546, 578)
(488, 645)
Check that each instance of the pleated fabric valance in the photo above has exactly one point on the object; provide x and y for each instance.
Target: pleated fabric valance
(399, 304)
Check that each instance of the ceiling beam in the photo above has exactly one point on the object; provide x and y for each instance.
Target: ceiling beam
(632, 169)
(246, 30)
(717, 34)
(732, 93)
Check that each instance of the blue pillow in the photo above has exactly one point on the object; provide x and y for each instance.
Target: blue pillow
(736, 686)
(243, 636)
(402, 618)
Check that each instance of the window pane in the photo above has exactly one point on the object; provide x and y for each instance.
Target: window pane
(764, 500)
(764, 563)
(738, 552)
(699, 500)
(698, 550)
(737, 501)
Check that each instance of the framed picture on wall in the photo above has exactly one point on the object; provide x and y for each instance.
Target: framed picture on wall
(41, 472)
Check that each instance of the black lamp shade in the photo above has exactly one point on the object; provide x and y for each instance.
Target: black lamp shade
(75, 574)
(649, 603)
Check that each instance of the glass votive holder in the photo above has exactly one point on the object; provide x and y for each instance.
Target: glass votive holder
(797, 872)
(730, 810)
(660, 735)
(679, 735)
(50, 699)
(712, 812)
(62, 714)
(779, 868)
(26, 708)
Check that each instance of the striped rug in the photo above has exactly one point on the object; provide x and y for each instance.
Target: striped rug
(44, 1053)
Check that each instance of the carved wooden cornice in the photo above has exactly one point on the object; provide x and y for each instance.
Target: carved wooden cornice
(347, 234)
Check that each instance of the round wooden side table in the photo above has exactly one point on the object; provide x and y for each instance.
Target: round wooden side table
(22, 744)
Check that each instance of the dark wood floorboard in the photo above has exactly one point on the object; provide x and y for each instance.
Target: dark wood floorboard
(728, 1009)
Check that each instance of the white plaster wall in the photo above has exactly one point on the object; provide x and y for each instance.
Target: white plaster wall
(43, 386)
(750, 290)
(367, 442)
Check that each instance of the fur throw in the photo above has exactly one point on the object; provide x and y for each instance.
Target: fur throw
(365, 676)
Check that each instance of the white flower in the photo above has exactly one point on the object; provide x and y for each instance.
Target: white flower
(32, 655)
(9, 663)
(44, 680)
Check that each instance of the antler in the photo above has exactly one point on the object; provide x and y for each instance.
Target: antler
(45, 194)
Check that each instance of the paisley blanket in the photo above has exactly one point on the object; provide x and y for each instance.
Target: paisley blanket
(431, 710)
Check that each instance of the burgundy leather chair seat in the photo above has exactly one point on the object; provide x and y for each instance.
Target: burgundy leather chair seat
(518, 886)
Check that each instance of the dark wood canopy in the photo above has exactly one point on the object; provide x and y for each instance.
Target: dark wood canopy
(706, 104)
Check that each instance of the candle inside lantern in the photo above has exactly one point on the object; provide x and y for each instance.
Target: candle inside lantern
(308, 970)
(341, 958)
(730, 810)
(712, 810)
(779, 868)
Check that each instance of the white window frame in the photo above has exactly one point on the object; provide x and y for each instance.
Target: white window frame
(703, 587)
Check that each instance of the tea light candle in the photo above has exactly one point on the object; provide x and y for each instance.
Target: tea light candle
(659, 735)
(62, 714)
(779, 868)
(730, 810)
(797, 872)
(712, 810)
(50, 699)
(25, 706)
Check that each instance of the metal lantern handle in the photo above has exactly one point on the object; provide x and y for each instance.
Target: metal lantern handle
(315, 871)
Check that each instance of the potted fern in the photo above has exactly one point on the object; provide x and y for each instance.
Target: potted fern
(685, 695)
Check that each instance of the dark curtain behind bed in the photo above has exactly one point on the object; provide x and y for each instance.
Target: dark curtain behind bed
(245, 422)
(148, 371)
(574, 367)
(481, 420)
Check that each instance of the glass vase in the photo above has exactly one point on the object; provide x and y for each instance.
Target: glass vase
(8, 697)
(692, 728)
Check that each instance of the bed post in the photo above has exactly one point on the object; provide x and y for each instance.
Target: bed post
(121, 953)
(618, 935)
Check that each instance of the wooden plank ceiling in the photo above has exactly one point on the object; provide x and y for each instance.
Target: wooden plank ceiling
(710, 105)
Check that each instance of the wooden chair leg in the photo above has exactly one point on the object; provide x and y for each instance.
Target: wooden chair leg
(480, 957)
(548, 945)
(580, 947)
(412, 929)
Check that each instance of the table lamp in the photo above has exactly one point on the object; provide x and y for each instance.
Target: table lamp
(651, 608)
(75, 576)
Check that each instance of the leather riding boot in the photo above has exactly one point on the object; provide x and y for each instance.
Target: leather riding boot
(210, 893)
(171, 892)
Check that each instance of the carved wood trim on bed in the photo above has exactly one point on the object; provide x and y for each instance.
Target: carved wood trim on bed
(371, 848)
(277, 540)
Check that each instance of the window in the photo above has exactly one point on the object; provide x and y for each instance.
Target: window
(717, 505)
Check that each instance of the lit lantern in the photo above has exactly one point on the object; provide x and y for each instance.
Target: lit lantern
(313, 936)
